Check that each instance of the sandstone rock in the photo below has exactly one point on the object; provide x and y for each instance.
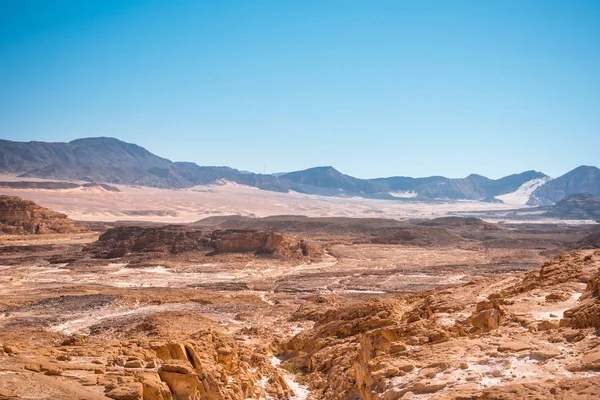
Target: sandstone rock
(591, 361)
(545, 353)
(587, 314)
(35, 367)
(88, 380)
(427, 387)
(212, 365)
(486, 320)
(10, 349)
(547, 325)
(558, 296)
(177, 366)
(153, 388)
(135, 364)
(74, 340)
(573, 336)
(64, 357)
(568, 267)
(116, 242)
(18, 216)
(53, 370)
(514, 346)
(132, 391)
(183, 386)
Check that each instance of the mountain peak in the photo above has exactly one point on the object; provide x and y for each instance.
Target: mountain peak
(583, 179)
(96, 139)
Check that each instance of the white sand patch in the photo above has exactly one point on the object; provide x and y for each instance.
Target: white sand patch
(556, 314)
(521, 196)
(81, 323)
(365, 291)
(189, 205)
(404, 194)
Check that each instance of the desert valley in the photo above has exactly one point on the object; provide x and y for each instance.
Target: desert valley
(146, 289)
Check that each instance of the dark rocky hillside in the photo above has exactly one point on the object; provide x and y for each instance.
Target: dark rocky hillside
(577, 206)
(109, 160)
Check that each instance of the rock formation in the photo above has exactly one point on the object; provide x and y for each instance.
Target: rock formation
(174, 239)
(271, 242)
(587, 313)
(18, 216)
(447, 344)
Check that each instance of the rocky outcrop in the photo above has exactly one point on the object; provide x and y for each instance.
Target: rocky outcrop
(172, 239)
(271, 242)
(488, 316)
(162, 356)
(587, 313)
(569, 267)
(213, 366)
(18, 216)
(445, 344)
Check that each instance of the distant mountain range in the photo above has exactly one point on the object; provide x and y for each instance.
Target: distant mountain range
(110, 160)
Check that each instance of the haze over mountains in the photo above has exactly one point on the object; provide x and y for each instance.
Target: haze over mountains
(110, 160)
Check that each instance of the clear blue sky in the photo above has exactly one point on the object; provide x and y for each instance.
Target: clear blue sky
(374, 88)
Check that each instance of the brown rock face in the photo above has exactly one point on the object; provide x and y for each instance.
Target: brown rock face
(486, 320)
(417, 345)
(117, 242)
(262, 242)
(587, 314)
(567, 267)
(18, 216)
(488, 316)
(214, 367)
(173, 239)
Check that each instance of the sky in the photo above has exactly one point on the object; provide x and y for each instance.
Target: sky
(373, 88)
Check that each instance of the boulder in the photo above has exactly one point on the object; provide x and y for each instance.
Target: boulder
(486, 320)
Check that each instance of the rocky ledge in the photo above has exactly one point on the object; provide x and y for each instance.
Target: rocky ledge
(18, 216)
(174, 239)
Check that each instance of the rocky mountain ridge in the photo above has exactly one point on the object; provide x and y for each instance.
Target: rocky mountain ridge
(112, 161)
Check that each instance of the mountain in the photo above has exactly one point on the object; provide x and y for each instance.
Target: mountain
(583, 179)
(330, 178)
(94, 159)
(584, 206)
(110, 160)
(473, 187)
(113, 161)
